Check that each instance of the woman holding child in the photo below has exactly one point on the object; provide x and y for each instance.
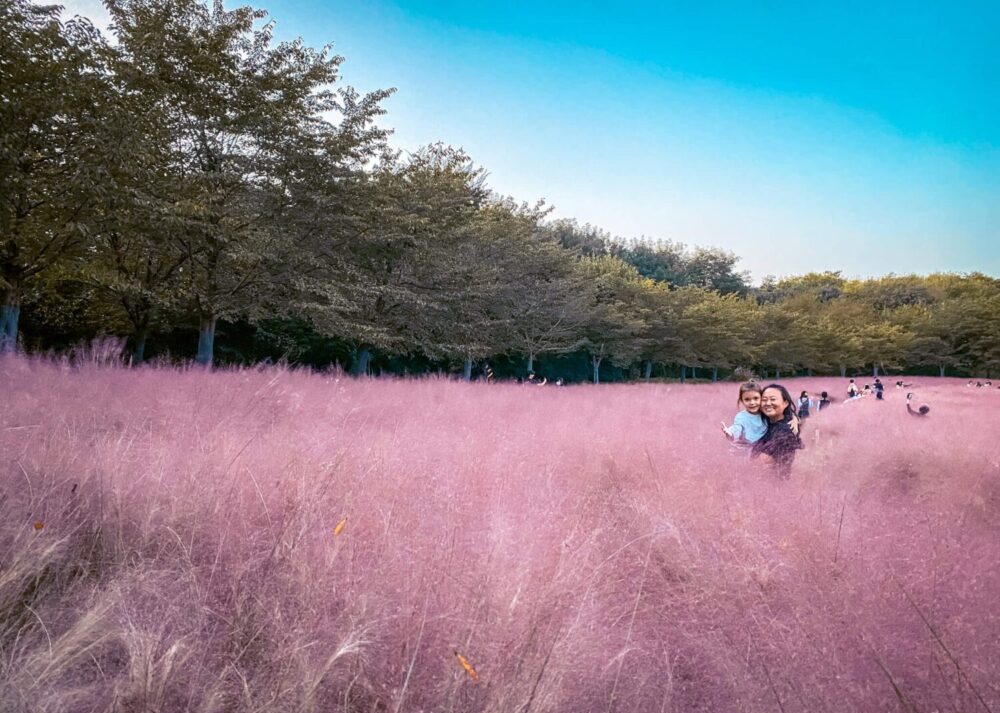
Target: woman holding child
(767, 423)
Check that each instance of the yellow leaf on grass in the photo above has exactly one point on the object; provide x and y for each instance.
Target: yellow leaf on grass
(340, 527)
(467, 666)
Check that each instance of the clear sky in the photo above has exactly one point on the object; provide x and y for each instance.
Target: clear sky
(862, 137)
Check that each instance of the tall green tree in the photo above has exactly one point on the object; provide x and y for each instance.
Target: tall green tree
(55, 105)
(719, 329)
(614, 329)
(480, 270)
(395, 284)
(547, 298)
(232, 103)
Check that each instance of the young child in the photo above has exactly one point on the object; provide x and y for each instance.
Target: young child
(749, 425)
(824, 401)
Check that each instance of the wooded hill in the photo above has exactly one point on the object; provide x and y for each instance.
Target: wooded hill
(194, 176)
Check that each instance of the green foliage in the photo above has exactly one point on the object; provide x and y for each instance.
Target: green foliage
(55, 113)
(195, 170)
(674, 264)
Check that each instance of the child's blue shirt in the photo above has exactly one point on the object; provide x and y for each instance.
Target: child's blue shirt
(750, 426)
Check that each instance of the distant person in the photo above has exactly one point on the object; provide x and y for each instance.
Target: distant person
(878, 388)
(560, 382)
(749, 425)
(852, 390)
(778, 445)
(867, 390)
(923, 410)
(824, 401)
(804, 403)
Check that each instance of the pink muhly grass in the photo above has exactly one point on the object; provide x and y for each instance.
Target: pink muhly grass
(277, 540)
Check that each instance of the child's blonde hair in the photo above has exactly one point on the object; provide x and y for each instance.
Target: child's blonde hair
(747, 387)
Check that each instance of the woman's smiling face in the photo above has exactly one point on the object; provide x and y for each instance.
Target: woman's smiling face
(773, 404)
(751, 401)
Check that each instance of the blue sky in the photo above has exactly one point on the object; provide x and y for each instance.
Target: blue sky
(801, 137)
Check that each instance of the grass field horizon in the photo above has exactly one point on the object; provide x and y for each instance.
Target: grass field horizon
(281, 540)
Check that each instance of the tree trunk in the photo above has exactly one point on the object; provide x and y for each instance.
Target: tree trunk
(206, 341)
(647, 369)
(941, 370)
(531, 363)
(10, 312)
(139, 346)
(683, 373)
(467, 370)
(809, 371)
(875, 370)
(694, 372)
(361, 360)
(596, 361)
(715, 374)
(777, 373)
(843, 371)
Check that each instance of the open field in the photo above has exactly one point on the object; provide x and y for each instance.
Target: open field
(283, 541)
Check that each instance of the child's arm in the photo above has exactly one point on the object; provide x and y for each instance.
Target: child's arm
(734, 432)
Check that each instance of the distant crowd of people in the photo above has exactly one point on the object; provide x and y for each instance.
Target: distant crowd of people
(981, 384)
(768, 423)
(531, 379)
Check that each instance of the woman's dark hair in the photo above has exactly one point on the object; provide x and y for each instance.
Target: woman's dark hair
(804, 393)
(789, 412)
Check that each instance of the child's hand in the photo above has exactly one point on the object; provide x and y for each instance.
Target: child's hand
(794, 424)
(725, 430)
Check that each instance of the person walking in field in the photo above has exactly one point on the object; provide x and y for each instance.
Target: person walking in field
(804, 404)
(852, 390)
(824, 401)
(879, 388)
(748, 425)
(778, 445)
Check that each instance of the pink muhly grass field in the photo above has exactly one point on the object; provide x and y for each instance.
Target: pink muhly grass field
(277, 540)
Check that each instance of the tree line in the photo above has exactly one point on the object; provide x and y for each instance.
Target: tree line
(194, 173)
